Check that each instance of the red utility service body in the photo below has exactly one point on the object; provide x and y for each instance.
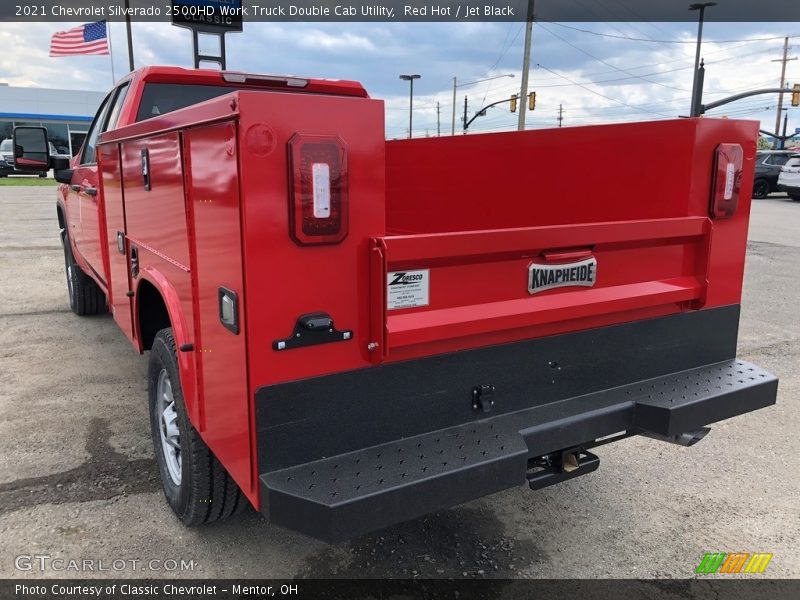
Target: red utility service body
(216, 198)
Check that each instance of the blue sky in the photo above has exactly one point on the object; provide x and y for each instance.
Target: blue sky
(598, 77)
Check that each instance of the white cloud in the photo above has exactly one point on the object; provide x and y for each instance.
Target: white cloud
(595, 78)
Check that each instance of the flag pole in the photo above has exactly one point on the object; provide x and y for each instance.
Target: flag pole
(111, 53)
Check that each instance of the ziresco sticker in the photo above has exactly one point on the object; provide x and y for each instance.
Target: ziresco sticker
(407, 289)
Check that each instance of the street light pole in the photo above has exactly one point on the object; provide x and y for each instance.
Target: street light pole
(701, 6)
(410, 79)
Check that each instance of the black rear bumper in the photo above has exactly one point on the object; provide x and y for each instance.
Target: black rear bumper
(350, 453)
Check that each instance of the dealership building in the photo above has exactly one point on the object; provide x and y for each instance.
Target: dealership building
(67, 114)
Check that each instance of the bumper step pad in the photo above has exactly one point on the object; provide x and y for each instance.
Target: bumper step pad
(344, 496)
(689, 400)
(337, 498)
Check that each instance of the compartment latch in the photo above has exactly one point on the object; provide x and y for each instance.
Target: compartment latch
(311, 329)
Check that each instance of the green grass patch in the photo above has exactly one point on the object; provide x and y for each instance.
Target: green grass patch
(27, 181)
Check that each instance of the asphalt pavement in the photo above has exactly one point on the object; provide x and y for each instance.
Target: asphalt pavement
(78, 481)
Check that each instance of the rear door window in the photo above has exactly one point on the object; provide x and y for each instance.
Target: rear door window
(162, 98)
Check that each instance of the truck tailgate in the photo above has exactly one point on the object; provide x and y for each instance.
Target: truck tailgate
(473, 287)
(488, 235)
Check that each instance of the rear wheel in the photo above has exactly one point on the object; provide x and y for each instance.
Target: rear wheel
(85, 296)
(760, 188)
(196, 485)
(795, 197)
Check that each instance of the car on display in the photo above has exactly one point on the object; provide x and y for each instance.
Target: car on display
(347, 332)
(768, 167)
(789, 178)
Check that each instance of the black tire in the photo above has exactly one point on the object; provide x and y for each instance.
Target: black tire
(795, 197)
(85, 296)
(42, 175)
(205, 492)
(761, 188)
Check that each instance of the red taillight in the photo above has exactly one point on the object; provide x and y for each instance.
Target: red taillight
(318, 203)
(727, 181)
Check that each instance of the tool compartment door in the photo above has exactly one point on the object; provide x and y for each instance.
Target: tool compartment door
(212, 174)
(119, 302)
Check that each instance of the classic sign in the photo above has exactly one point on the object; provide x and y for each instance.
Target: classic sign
(545, 277)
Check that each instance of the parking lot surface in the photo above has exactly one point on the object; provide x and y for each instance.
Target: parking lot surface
(78, 481)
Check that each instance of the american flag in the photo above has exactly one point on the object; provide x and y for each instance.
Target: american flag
(91, 38)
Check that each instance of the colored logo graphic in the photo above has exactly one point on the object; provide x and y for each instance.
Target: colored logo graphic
(738, 562)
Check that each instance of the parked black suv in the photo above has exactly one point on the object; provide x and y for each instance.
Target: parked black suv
(768, 167)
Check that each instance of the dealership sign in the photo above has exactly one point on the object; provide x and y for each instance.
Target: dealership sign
(208, 16)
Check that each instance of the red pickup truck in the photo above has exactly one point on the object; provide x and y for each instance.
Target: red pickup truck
(348, 332)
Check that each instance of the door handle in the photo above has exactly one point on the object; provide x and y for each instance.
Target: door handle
(75, 188)
(90, 191)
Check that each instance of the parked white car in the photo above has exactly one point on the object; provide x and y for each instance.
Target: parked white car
(789, 178)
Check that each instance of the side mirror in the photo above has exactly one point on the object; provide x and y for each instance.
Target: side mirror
(31, 150)
(63, 175)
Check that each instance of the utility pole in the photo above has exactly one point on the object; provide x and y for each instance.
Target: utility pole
(455, 85)
(130, 35)
(560, 114)
(438, 119)
(526, 65)
(783, 62)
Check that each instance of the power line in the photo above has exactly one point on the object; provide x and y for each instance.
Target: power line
(588, 89)
(709, 53)
(608, 64)
(637, 39)
(504, 49)
(654, 73)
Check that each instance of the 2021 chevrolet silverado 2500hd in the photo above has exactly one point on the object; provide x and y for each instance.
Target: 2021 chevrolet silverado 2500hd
(348, 332)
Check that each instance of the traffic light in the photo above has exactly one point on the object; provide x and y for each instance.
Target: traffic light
(796, 95)
(531, 100)
(513, 103)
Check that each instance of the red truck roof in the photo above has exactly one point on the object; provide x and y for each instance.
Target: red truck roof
(241, 80)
